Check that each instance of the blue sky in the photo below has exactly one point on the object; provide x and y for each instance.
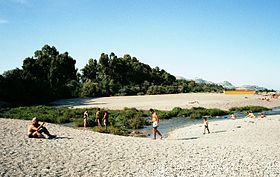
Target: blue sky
(217, 40)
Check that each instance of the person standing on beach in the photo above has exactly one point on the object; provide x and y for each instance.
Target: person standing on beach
(205, 123)
(155, 121)
(98, 117)
(36, 130)
(106, 119)
(85, 118)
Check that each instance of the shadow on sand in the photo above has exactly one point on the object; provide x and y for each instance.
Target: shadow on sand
(220, 131)
(61, 137)
(76, 102)
(190, 138)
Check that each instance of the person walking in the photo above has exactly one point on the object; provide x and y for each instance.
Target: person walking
(205, 123)
(155, 120)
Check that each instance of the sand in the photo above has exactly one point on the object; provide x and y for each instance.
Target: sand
(234, 148)
(169, 101)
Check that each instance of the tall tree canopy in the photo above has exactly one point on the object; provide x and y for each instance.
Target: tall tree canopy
(43, 77)
(50, 75)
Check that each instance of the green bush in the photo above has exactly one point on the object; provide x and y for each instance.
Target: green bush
(163, 114)
(248, 108)
(111, 130)
(130, 118)
(80, 122)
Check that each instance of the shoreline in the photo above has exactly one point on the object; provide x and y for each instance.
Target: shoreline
(250, 150)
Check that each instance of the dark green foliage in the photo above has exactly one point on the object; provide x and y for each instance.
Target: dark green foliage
(46, 76)
(127, 76)
(49, 75)
(43, 113)
(129, 118)
(80, 122)
(249, 109)
(195, 113)
(111, 130)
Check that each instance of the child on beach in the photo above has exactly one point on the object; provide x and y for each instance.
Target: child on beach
(155, 121)
(205, 123)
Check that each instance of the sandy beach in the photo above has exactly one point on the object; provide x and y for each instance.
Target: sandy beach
(234, 148)
(168, 102)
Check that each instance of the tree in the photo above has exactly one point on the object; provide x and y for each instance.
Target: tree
(90, 71)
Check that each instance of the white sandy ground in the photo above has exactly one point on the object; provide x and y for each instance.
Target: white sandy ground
(251, 150)
(169, 101)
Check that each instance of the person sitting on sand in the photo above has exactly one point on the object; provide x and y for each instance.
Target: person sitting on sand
(233, 117)
(205, 123)
(251, 117)
(35, 130)
(155, 121)
(106, 119)
(98, 117)
(262, 115)
(85, 118)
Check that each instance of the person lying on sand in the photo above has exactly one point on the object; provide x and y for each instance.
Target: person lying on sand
(35, 130)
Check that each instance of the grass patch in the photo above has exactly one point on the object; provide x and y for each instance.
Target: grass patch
(121, 121)
(111, 130)
(249, 109)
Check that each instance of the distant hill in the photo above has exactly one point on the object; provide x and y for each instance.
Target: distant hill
(180, 78)
(225, 84)
(254, 87)
(202, 81)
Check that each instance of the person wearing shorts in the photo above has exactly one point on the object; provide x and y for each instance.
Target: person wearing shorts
(155, 120)
(205, 122)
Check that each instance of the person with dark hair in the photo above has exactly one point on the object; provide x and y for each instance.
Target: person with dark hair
(37, 130)
(106, 119)
(85, 118)
(155, 120)
(98, 116)
(205, 123)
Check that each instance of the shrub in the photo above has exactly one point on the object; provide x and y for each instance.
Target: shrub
(130, 118)
(111, 130)
(249, 108)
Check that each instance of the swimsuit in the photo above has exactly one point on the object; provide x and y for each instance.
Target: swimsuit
(155, 125)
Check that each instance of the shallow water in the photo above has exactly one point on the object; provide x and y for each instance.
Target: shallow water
(167, 125)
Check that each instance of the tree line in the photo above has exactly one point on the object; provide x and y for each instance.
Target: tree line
(50, 75)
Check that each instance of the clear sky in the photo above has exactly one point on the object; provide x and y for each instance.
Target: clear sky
(217, 40)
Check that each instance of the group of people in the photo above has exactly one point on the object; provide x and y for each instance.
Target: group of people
(98, 118)
(37, 130)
